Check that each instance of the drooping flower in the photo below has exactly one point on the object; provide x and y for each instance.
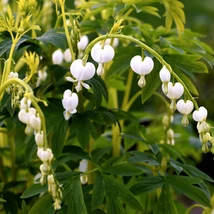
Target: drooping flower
(57, 57)
(185, 107)
(81, 72)
(83, 167)
(82, 44)
(142, 67)
(67, 55)
(45, 155)
(165, 78)
(102, 54)
(200, 114)
(175, 91)
(70, 102)
(112, 41)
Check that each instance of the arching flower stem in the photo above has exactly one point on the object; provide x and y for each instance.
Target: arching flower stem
(29, 94)
(150, 50)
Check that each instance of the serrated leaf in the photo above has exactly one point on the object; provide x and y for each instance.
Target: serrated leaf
(152, 83)
(150, 10)
(118, 189)
(184, 185)
(98, 192)
(34, 189)
(165, 202)
(75, 197)
(147, 184)
(98, 153)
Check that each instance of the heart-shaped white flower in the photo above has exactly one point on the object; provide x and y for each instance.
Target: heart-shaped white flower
(200, 114)
(70, 102)
(175, 91)
(81, 73)
(45, 155)
(24, 115)
(185, 107)
(67, 55)
(35, 122)
(102, 54)
(39, 138)
(142, 67)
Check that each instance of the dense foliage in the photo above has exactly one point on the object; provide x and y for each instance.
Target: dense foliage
(99, 109)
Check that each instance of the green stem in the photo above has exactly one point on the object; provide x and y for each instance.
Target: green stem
(13, 156)
(194, 206)
(66, 31)
(29, 94)
(146, 47)
(131, 101)
(7, 68)
(128, 89)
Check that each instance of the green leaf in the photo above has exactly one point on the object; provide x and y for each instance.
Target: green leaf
(95, 116)
(147, 184)
(83, 128)
(165, 202)
(43, 205)
(30, 148)
(122, 169)
(184, 185)
(152, 83)
(24, 207)
(54, 38)
(193, 171)
(117, 68)
(99, 90)
(2, 200)
(58, 137)
(98, 192)
(187, 82)
(98, 153)
(34, 189)
(150, 10)
(143, 157)
(118, 189)
(75, 198)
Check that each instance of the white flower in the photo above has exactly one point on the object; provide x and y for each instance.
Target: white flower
(82, 44)
(83, 166)
(102, 53)
(81, 73)
(142, 67)
(164, 74)
(112, 41)
(57, 57)
(13, 75)
(24, 115)
(45, 155)
(39, 138)
(67, 55)
(185, 107)
(175, 91)
(200, 114)
(70, 102)
(35, 122)
(25, 103)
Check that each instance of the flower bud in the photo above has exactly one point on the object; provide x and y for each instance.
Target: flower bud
(83, 166)
(170, 137)
(25, 103)
(200, 114)
(82, 44)
(67, 55)
(164, 75)
(142, 81)
(39, 138)
(57, 57)
(142, 67)
(13, 75)
(84, 179)
(203, 127)
(44, 168)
